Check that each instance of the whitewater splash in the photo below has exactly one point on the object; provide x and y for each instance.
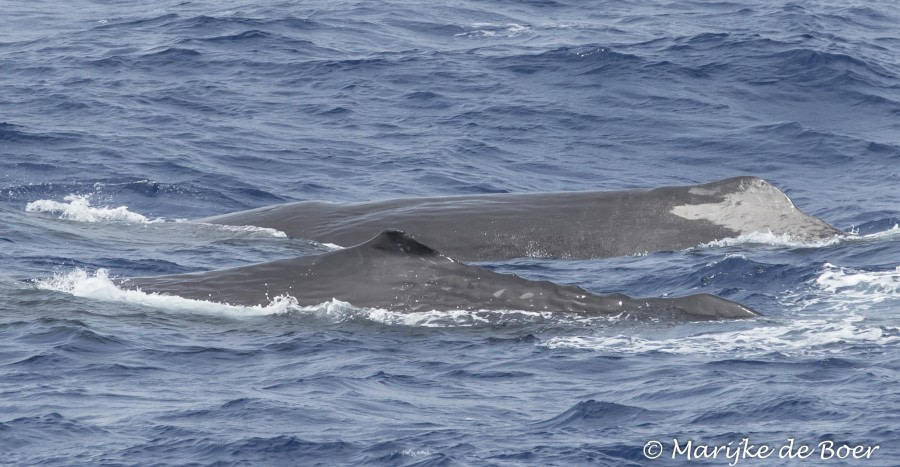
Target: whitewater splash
(860, 286)
(79, 209)
(252, 229)
(771, 239)
(787, 241)
(839, 297)
(99, 286)
(495, 30)
(796, 337)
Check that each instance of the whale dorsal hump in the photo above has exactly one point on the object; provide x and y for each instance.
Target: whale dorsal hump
(393, 241)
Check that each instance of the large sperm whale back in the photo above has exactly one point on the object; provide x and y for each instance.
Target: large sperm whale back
(559, 225)
(394, 271)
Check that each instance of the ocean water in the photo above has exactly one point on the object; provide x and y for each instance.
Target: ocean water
(121, 122)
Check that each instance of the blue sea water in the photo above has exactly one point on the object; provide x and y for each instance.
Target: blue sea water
(122, 121)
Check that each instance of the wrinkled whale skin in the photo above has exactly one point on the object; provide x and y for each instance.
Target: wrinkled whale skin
(568, 225)
(393, 271)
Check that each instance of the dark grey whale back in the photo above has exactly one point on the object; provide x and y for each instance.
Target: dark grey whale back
(396, 272)
(575, 225)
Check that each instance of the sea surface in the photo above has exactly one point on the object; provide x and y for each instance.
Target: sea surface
(121, 122)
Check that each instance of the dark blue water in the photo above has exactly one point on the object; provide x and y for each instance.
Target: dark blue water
(120, 121)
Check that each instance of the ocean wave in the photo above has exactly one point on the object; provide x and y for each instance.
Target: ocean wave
(249, 35)
(583, 59)
(595, 413)
(255, 450)
(806, 61)
(164, 57)
(250, 40)
(41, 428)
(12, 133)
(152, 22)
(227, 22)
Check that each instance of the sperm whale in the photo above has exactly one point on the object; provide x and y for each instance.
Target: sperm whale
(570, 225)
(396, 272)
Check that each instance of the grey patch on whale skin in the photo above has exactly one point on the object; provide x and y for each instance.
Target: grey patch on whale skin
(576, 225)
(754, 205)
(393, 271)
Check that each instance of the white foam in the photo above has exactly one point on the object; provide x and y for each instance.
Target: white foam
(79, 209)
(495, 30)
(466, 318)
(795, 337)
(789, 241)
(415, 453)
(840, 291)
(889, 233)
(772, 239)
(838, 305)
(247, 229)
(857, 286)
(99, 286)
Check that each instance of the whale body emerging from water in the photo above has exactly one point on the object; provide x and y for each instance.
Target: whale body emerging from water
(393, 271)
(576, 225)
